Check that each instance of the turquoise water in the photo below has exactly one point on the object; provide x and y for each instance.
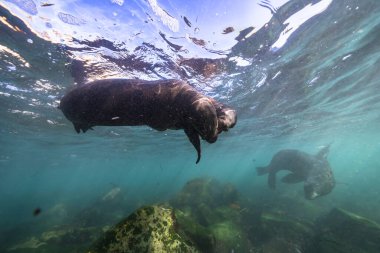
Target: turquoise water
(320, 87)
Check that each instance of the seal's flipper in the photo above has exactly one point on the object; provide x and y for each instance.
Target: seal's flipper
(262, 170)
(292, 178)
(79, 127)
(322, 154)
(272, 180)
(194, 139)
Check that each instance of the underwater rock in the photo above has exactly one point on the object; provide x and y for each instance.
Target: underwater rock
(342, 231)
(200, 235)
(229, 237)
(149, 229)
(60, 240)
(206, 218)
(31, 243)
(205, 191)
(209, 212)
(280, 225)
(224, 233)
(273, 232)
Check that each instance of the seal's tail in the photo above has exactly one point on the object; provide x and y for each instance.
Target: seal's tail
(262, 170)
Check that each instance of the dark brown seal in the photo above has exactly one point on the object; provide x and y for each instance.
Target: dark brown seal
(163, 104)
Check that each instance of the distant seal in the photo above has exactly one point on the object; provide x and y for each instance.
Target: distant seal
(163, 104)
(313, 170)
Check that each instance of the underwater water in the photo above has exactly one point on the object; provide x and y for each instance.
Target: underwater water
(301, 74)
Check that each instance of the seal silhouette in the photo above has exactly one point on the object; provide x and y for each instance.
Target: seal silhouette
(162, 105)
(313, 170)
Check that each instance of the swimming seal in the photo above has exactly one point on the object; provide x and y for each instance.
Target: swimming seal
(162, 105)
(313, 170)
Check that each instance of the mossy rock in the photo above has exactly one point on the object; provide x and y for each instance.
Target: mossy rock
(149, 229)
(223, 235)
(205, 191)
(202, 196)
(229, 237)
(342, 231)
(60, 240)
(278, 229)
(200, 235)
(279, 224)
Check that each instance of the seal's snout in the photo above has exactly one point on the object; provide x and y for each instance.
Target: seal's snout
(310, 191)
(226, 119)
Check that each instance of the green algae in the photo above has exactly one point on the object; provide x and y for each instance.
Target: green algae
(144, 231)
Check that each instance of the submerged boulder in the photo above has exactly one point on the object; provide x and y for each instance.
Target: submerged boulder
(149, 229)
(203, 198)
(281, 225)
(60, 240)
(224, 234)
(277, 232)
(342, 231)
(209, 213)
(205, 191)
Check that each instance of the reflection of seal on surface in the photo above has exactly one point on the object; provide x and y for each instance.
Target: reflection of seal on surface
(164, 104)
(314, 170)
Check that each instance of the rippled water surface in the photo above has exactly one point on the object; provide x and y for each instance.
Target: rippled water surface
(301, 74)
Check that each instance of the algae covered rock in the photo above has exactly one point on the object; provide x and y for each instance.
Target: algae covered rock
(224, 234)
(279, 225)
(205, 191)
(209, 213)
(203, 197)
(229, 237)
(273, 232)
(149, 229)
(199, 234)
(344, 232)
(60, 240)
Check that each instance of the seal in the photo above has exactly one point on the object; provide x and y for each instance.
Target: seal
(314, 170)
(162, 105)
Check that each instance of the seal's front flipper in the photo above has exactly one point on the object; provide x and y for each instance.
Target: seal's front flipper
(322, 154)
(79, 127)
(194, 139)
(272, 180)
(262, 170)
(292, 178)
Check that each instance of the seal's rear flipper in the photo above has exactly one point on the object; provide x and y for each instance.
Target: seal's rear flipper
(194, 139)
(292, 178)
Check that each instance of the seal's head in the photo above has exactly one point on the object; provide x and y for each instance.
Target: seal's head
(320, 180)
(226, 116)
(204, 119)
(226, 119)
